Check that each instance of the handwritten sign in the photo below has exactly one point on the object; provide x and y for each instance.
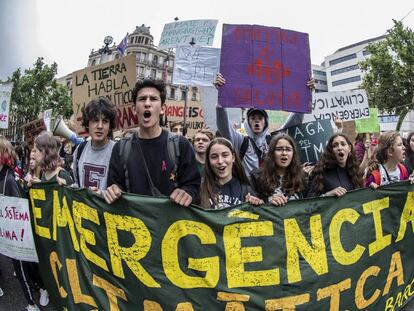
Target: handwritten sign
(310, 138)
(200, 31)
(16, 237)
(346, 105)
(195, 65)
(195, 115)
(265, 67)
(5, 93)
(369, 125)
(114, 80)
(32, 129)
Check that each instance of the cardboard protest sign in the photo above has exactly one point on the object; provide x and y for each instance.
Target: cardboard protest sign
(344, 105)
(265, 67)
(5, 93)
(114, 80)
(195, 115)
(209, 96)
(370, 125)
(200, 31)
(32, 129)
(195, 65)
(310, 138)
(16, 237)
(353, 252)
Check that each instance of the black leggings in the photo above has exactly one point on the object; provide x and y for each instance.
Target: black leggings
(28, 275)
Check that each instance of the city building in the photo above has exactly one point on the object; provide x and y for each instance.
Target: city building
(319, 74)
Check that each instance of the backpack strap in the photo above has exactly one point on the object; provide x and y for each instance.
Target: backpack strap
(173, 149)
(403, 170)
(243, 148)
(124, 150)
(81, 147)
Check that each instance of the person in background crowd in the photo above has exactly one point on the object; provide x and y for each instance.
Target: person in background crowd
(200, 142)
(46, 154)
(35, 173)
(177, 127)
(147, 167)
(409, 154)
(390, 155)
(91, 158)
(360, 146)
(337, 171)
(281, 177)
(225, 183)
(9, 187)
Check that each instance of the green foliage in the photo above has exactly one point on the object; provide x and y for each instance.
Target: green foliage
(389, 78)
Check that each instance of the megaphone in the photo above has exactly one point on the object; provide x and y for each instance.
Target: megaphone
(61, 129)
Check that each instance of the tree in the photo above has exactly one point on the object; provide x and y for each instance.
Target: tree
(35, 91)
(389, 78)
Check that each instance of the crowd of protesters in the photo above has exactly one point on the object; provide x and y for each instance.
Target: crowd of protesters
(213, 172)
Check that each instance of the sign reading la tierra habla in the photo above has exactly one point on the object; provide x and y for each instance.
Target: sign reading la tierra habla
(265, 67)
(114, 80)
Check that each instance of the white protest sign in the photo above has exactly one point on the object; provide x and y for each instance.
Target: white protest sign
(195, 65)
(209, 97)
(47, 117)
(200, 31)
(346, 105)
(16, 237)
(5, 93)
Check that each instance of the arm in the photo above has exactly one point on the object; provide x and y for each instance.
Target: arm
(226, 129)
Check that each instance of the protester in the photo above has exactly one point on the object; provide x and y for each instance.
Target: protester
(360, 146)
(200, 142)
(91, 158)
(34, 173)
(177, 127)
(281, 177)
(46, 154)
(9, 187)
(153, 161)
(224, 182)
(337, 171)
(409, 154)
(390, 155)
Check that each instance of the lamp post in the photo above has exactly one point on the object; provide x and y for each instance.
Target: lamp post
(104, 51)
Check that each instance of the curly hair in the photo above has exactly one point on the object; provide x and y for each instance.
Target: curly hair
(157, 84)
(49, 147)
(385, 143)
(294, 177)
(409, 153)
(328, 161)
(96, 108)
(8, 155)
(210, 186)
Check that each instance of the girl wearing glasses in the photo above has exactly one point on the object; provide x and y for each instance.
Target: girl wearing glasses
(225, 182)
(337, 171)
(281, 177)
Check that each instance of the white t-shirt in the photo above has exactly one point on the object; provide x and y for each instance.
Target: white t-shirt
(389, 177)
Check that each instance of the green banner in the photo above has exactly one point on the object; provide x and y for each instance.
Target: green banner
(369, 125)
(142, 253)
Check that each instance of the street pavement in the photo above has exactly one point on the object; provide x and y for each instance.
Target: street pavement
(13, 299)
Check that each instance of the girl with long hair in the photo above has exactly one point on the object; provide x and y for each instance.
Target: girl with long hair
(389, 167)
(225, 182)
(46, 155)
(281, 177)
(409, 153)
(337, 171)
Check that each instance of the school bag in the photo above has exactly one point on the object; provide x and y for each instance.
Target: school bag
(403, 175)
(245, 145)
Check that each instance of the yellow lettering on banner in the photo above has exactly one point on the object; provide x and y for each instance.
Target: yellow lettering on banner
(38, 194)
(237, 256)
(339, 253)
(55, 263)
(234, 301)
(396, 271)
(314, 254)
(389, 304)
(112, 292)
(381, 241)
(133, 254)
(360, 301)
(170, 260)
(83, 211)
(63, 218)
(155, 306)
(78, 297)
(334, 291)
(286, 303)
(407, 216)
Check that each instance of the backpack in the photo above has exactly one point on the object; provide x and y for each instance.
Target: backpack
(377, 176)
(245, 145)
(173, 154)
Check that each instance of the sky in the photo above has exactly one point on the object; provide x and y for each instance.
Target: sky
(65, 32)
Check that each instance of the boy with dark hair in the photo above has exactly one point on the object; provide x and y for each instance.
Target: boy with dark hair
(91, 158)
(143, 164)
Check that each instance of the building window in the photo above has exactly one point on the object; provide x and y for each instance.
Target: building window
(141, 56)
(153, 73)
(345, 69)
(347, 80)
(193, 93)
(155, 60)
(366, 52)
(321, 82)
(183, 95)
(146, 40)
(93, 62)
(140, 71)
(319, 72)
(342, 59)
(172, 93)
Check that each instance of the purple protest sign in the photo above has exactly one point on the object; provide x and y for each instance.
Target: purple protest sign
(265, 67)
